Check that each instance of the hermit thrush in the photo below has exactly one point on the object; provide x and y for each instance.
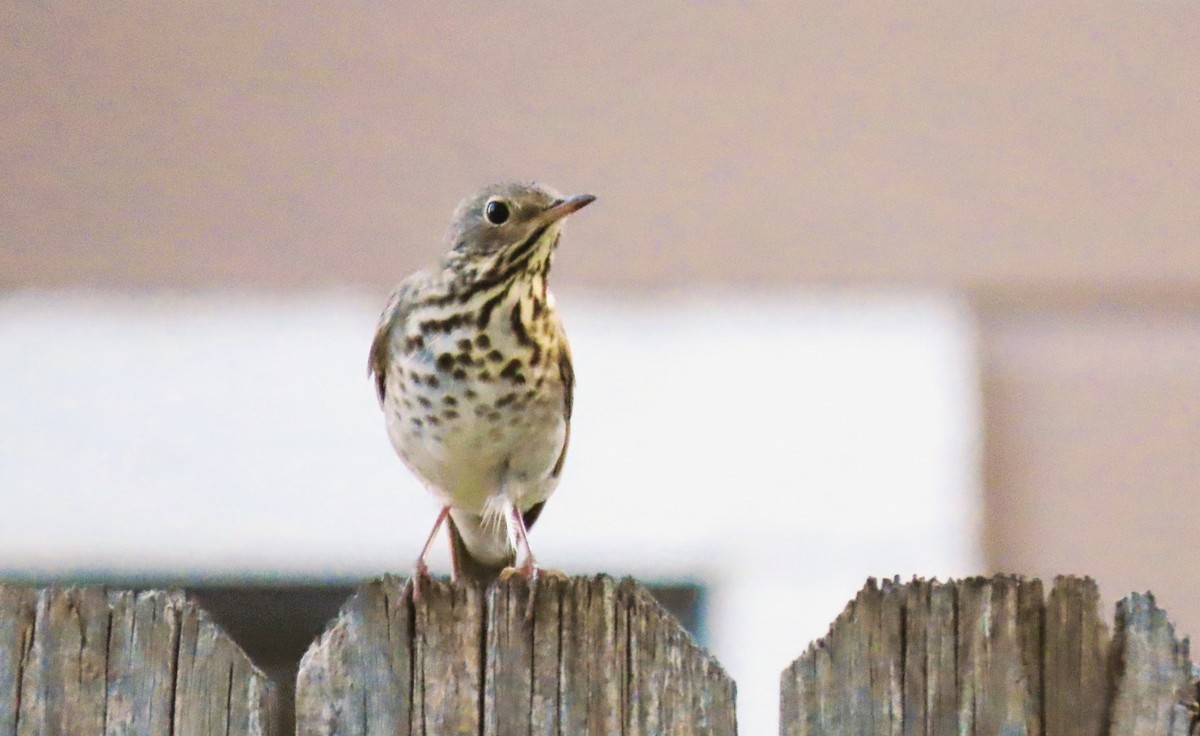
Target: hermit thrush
(473, 372)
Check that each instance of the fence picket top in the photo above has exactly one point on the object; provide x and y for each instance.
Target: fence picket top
(924, 658)
(998, 691)
(85, 661)
(1153, 682)
(1076, 649)
(990, 655)
(597, 656)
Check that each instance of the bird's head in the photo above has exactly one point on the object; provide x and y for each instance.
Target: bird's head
(504, 224)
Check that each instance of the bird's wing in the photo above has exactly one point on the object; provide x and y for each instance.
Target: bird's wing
(399, 305)
(566, 372)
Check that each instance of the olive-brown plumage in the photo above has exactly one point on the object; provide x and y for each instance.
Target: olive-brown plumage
(473, 372)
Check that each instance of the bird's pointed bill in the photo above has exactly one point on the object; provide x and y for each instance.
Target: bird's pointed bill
(564, 207)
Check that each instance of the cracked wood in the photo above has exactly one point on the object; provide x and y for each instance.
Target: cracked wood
(597, 657)
(86, 661)
(990, 656)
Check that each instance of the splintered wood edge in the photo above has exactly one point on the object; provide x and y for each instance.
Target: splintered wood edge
(135, 626)
(1141, 671)
(1153, 679)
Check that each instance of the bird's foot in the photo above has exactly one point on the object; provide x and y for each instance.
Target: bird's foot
(527, 570)
(419, 575)
(532, 573)
(549, 573)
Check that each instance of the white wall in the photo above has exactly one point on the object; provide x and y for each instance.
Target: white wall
(776, 450)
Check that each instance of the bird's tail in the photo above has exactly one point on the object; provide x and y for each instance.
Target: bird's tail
(481, 550)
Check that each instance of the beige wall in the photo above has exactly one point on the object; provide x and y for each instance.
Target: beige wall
(1042, 158)
(1093, 447)
(981, 144)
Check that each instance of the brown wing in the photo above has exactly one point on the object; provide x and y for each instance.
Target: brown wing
(566, 372)
(399, 305)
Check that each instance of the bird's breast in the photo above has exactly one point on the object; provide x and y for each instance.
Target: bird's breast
(475, 396)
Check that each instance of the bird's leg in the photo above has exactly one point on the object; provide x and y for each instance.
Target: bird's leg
(518, 537)
(420, 569)
(454, 561)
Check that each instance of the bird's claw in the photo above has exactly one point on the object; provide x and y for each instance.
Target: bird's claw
(530, 571)
(508, 573)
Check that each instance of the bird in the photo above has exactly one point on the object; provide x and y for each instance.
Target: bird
(474, 376)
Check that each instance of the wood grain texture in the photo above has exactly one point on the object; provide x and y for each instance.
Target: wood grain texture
(18, 608)
(597, 657)
(1152, 678)
(357, 675)
(86, 662)
(930, 680)
(1076, 652)
(990, 656)
(997, 689)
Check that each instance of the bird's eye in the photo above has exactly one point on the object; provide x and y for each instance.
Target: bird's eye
(496, 211)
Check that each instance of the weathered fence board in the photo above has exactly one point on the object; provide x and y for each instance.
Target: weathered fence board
(990, 656)
(17, 607)
(930, 704)
(85, 662)
(1152, 672)
(975, 656)
(597, 657)
(1076, 652)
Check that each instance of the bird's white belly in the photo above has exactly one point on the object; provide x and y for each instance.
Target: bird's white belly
(499, 438)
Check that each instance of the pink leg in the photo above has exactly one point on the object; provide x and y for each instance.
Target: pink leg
(421, 570)
(528, 568)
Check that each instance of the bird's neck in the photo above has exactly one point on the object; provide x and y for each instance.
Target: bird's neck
(499, 293)
(521, 271)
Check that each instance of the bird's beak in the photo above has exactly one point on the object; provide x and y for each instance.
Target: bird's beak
(564, 207)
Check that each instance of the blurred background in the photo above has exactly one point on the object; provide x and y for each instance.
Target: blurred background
(868, 290)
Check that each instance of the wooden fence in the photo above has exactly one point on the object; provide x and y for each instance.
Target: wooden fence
(992, 656)
(978, 656)
(85, 661)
